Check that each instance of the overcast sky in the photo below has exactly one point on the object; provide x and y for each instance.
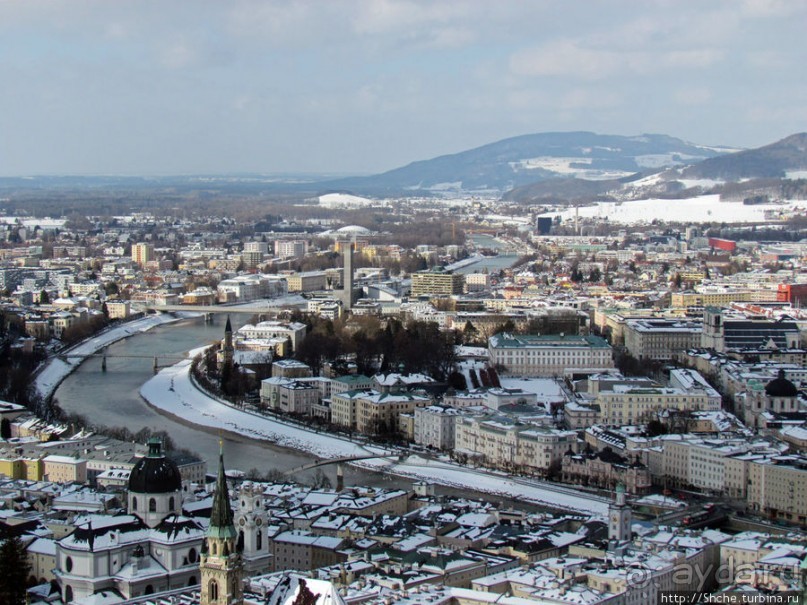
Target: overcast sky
(178, 87)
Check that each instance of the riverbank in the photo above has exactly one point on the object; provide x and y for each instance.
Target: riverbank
(57, 368)
(172, 392)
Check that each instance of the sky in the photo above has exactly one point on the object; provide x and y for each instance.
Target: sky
(161, 87)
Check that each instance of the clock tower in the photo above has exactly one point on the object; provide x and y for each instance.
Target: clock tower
(250, 522)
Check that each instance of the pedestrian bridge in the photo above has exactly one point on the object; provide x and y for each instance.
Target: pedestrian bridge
(246, 309)
(169, 359)
(340, 462)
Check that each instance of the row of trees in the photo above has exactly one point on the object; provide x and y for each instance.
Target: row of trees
(417, 346)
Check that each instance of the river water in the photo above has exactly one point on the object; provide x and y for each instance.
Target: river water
(490, 263)
(112, 398)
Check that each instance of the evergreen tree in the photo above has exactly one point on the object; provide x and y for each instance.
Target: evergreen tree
(15, 568)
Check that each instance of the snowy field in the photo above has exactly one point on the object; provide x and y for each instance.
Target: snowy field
(58, 368)
(172, 392)
(701, 209)
(345, 200)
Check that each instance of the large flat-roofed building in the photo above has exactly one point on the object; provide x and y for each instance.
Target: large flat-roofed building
(437, 283)
(290, 248)
(731, 331)
(723, 297)
(307, 281)
(630, 400)
(661, 339)
(548, 355)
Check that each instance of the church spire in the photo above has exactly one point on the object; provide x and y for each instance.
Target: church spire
(221, 517)
(221, 566)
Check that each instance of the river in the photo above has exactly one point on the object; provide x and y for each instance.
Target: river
(112, 398)
(490, 263)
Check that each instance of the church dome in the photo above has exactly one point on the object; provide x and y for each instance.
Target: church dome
(154, 473)
(781, 387)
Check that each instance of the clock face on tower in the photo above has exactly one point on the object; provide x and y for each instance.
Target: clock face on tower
(242, 522)
(258, 521)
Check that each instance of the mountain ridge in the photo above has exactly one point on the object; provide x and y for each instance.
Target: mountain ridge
(524, 159)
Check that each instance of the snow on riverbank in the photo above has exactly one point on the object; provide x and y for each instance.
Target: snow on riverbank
(59, 368)
(172, 392)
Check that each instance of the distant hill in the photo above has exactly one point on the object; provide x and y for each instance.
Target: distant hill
(527, 159)
(750, 172)
(770, 161)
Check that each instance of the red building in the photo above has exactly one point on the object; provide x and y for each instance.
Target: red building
(795, 294)
(722, 244)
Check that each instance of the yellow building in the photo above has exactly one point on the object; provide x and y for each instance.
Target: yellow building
(142, 253)
(778, 488)
(65, 469)
(437, 282)
(12, 467)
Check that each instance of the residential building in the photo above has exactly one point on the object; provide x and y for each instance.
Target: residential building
(501, 443)
(290, 368)
(777, 487)
(290, 248)
(118, 309)
(65, 469)
(289, 396)
(606, 469)
(142, 253)
(437, 282)
(434, 426)
(303, 550)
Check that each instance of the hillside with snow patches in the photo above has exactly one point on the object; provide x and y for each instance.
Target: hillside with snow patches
(526, 159)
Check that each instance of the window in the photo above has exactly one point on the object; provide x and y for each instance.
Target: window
(134, 504)
(68, 594)
(68, 564)
(152, 505)
(213, 590)
(171, 503)
(192, 556)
